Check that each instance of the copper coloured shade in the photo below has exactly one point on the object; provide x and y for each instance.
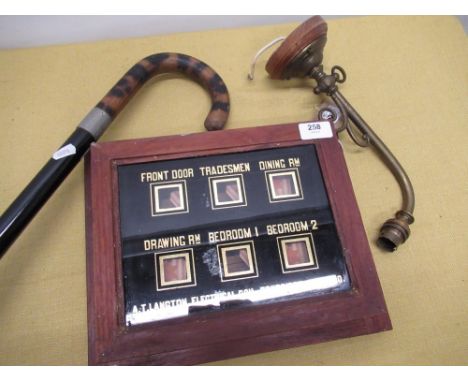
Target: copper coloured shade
(311, 32)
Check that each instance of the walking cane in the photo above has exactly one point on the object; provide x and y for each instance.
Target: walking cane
(37, 192)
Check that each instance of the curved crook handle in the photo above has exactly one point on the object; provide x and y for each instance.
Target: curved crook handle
(123, 91)
(37, 192)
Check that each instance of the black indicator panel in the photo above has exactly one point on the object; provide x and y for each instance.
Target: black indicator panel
(225, 231)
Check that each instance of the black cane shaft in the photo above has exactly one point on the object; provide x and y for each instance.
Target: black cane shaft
(15, 219)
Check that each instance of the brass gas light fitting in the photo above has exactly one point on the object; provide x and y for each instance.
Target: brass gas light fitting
(300, 55)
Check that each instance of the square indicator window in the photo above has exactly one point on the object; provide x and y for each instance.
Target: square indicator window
(237, 261)
(227, 191)
(297, 253)
(283, 185)
(168, 198)
(174, 270)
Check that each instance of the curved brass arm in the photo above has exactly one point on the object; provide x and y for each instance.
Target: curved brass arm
(394, 231)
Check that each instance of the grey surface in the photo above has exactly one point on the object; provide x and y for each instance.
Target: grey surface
(31, 31)
(464, 21)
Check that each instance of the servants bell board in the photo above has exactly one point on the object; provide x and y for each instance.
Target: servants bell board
(221, 244)
(221, 231)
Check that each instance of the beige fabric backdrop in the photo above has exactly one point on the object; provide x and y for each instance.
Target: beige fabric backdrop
(407, 76)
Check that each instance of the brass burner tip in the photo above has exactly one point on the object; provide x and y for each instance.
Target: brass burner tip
(395, 231)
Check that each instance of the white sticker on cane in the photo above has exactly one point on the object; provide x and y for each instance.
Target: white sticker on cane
(65, 151)
(315, 130)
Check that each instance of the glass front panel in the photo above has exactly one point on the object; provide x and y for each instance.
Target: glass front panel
(221, 232)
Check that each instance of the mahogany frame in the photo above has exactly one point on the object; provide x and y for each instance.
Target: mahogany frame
(218, 335)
